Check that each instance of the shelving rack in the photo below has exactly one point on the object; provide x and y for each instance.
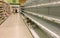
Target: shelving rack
(5, 11)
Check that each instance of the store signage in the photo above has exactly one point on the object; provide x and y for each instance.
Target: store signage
(14, 1)
(22, 1)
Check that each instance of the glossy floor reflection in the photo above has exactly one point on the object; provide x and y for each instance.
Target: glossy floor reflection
(14, 27)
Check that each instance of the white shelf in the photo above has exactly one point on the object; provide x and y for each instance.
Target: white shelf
(42, 26)
(45, 17)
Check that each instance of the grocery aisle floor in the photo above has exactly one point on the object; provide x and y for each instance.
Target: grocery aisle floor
(14, 27)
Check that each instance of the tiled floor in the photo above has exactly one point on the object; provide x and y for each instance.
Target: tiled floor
(14, 27)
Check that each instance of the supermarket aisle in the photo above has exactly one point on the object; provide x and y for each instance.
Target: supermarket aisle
(14, 27)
